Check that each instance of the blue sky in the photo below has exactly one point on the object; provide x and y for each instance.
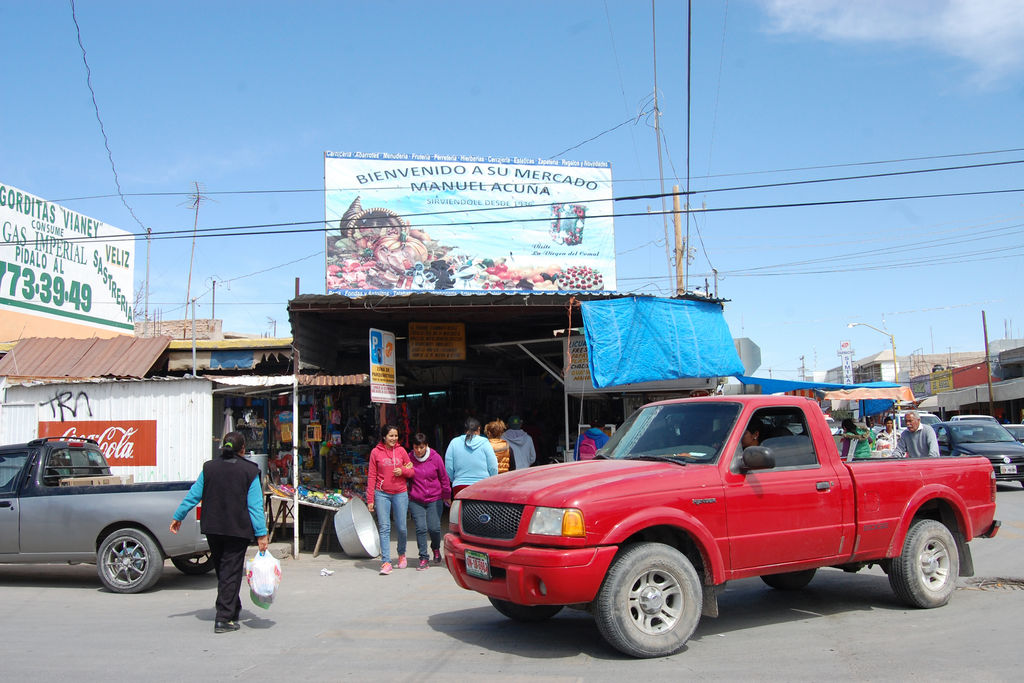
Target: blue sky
(244, 96)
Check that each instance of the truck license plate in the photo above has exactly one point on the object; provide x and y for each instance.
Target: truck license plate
(1007, 469)
(478, 564)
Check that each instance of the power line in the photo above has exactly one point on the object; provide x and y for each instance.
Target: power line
(96, 109)
(633, 119)
(257, 229)
(619, 180)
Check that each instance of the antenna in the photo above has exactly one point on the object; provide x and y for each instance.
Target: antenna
(195, 200)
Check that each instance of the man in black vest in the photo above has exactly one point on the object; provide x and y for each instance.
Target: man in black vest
(232, 497)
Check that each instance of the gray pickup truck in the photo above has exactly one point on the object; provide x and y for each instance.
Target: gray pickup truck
(122, 528)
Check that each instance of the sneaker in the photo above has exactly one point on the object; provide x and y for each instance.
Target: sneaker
(423, 564)
(402, 562)
(437, 556)
(385, 568)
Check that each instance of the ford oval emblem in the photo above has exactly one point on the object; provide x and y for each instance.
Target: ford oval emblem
(484, 518)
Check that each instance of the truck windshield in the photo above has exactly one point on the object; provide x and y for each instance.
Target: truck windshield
(687, 432)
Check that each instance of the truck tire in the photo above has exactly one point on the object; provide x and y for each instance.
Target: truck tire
(193, 565)
(790, 581)
(924, 574)
(525, 613)
(650, 601)
(129, 561)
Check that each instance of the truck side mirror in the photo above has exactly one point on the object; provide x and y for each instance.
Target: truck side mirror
(757, 458)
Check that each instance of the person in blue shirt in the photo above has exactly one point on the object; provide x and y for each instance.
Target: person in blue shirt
(230, 490)
(469, 458)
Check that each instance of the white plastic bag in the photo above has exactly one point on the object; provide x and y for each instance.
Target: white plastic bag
(263, 573)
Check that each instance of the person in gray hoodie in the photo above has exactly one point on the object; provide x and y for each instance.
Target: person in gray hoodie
(523, 449)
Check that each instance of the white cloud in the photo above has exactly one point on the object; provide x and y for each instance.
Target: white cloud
(989, 34)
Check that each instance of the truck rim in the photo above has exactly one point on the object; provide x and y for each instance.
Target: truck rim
(655, 602)
(934, 559)
(126, 561)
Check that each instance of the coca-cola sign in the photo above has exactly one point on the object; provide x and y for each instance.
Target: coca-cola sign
(125, 443)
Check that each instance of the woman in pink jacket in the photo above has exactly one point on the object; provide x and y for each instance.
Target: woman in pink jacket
(387, 493)
(429, 491)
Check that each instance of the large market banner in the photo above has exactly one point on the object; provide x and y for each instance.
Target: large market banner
(449, 224)
(60, 264)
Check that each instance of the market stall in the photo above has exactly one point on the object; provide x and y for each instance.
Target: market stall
(310, 428)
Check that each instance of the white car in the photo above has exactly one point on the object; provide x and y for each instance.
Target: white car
(833, 426)
(974, 418)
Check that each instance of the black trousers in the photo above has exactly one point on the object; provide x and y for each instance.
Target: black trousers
(228, 554)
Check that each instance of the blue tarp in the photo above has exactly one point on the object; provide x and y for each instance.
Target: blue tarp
(645, 339)
(240, 359)
(778, 386)
(872, 406)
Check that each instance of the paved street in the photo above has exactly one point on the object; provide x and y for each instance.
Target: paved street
(412, 625)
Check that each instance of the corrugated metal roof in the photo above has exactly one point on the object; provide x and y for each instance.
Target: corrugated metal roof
(49, 357)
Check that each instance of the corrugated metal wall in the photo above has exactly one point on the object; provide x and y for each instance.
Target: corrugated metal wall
(182, 408)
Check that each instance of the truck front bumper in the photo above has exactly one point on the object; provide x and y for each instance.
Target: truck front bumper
(531, 575)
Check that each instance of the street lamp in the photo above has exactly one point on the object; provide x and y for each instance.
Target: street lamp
(895, 370)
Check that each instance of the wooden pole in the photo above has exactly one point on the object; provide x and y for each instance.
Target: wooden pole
(680, 256)
(988, 367)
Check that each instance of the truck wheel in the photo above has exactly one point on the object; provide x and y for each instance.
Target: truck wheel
(650, 601)
(525, 612)
(924, 574)
(194, 565)
(129, 561)
(790, 581)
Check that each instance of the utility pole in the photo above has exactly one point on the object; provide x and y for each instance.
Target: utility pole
(680, 255)
(657, 129)
(988, 366)
(803, 369)
(213, 308)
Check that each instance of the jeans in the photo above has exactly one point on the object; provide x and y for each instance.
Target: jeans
(427, 517)
(384, 504)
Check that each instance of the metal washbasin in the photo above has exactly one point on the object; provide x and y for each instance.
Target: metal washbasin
(356, 530)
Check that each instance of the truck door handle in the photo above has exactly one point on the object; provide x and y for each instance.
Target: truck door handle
(823, 485)
(5, 504)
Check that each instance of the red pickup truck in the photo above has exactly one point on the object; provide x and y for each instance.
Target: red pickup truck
(692, 493)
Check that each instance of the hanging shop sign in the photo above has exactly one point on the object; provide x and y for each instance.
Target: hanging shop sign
(382, 367)
(579, 381)
(437, 341)
(124, 443)
(450, 224)
(61, 265)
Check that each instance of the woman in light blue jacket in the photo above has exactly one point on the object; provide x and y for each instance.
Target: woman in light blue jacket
(469, 458)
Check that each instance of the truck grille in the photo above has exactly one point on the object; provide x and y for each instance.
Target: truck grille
(491, 520)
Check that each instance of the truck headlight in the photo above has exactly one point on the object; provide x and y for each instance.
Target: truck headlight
(557, 522)
(453, 514)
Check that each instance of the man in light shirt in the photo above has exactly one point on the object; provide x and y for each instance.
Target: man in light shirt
(917, 440)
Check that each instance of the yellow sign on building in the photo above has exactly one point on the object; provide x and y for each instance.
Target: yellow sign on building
(437, 341)
(942, 381)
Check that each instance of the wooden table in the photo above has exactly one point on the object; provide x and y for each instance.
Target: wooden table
(286, 506)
